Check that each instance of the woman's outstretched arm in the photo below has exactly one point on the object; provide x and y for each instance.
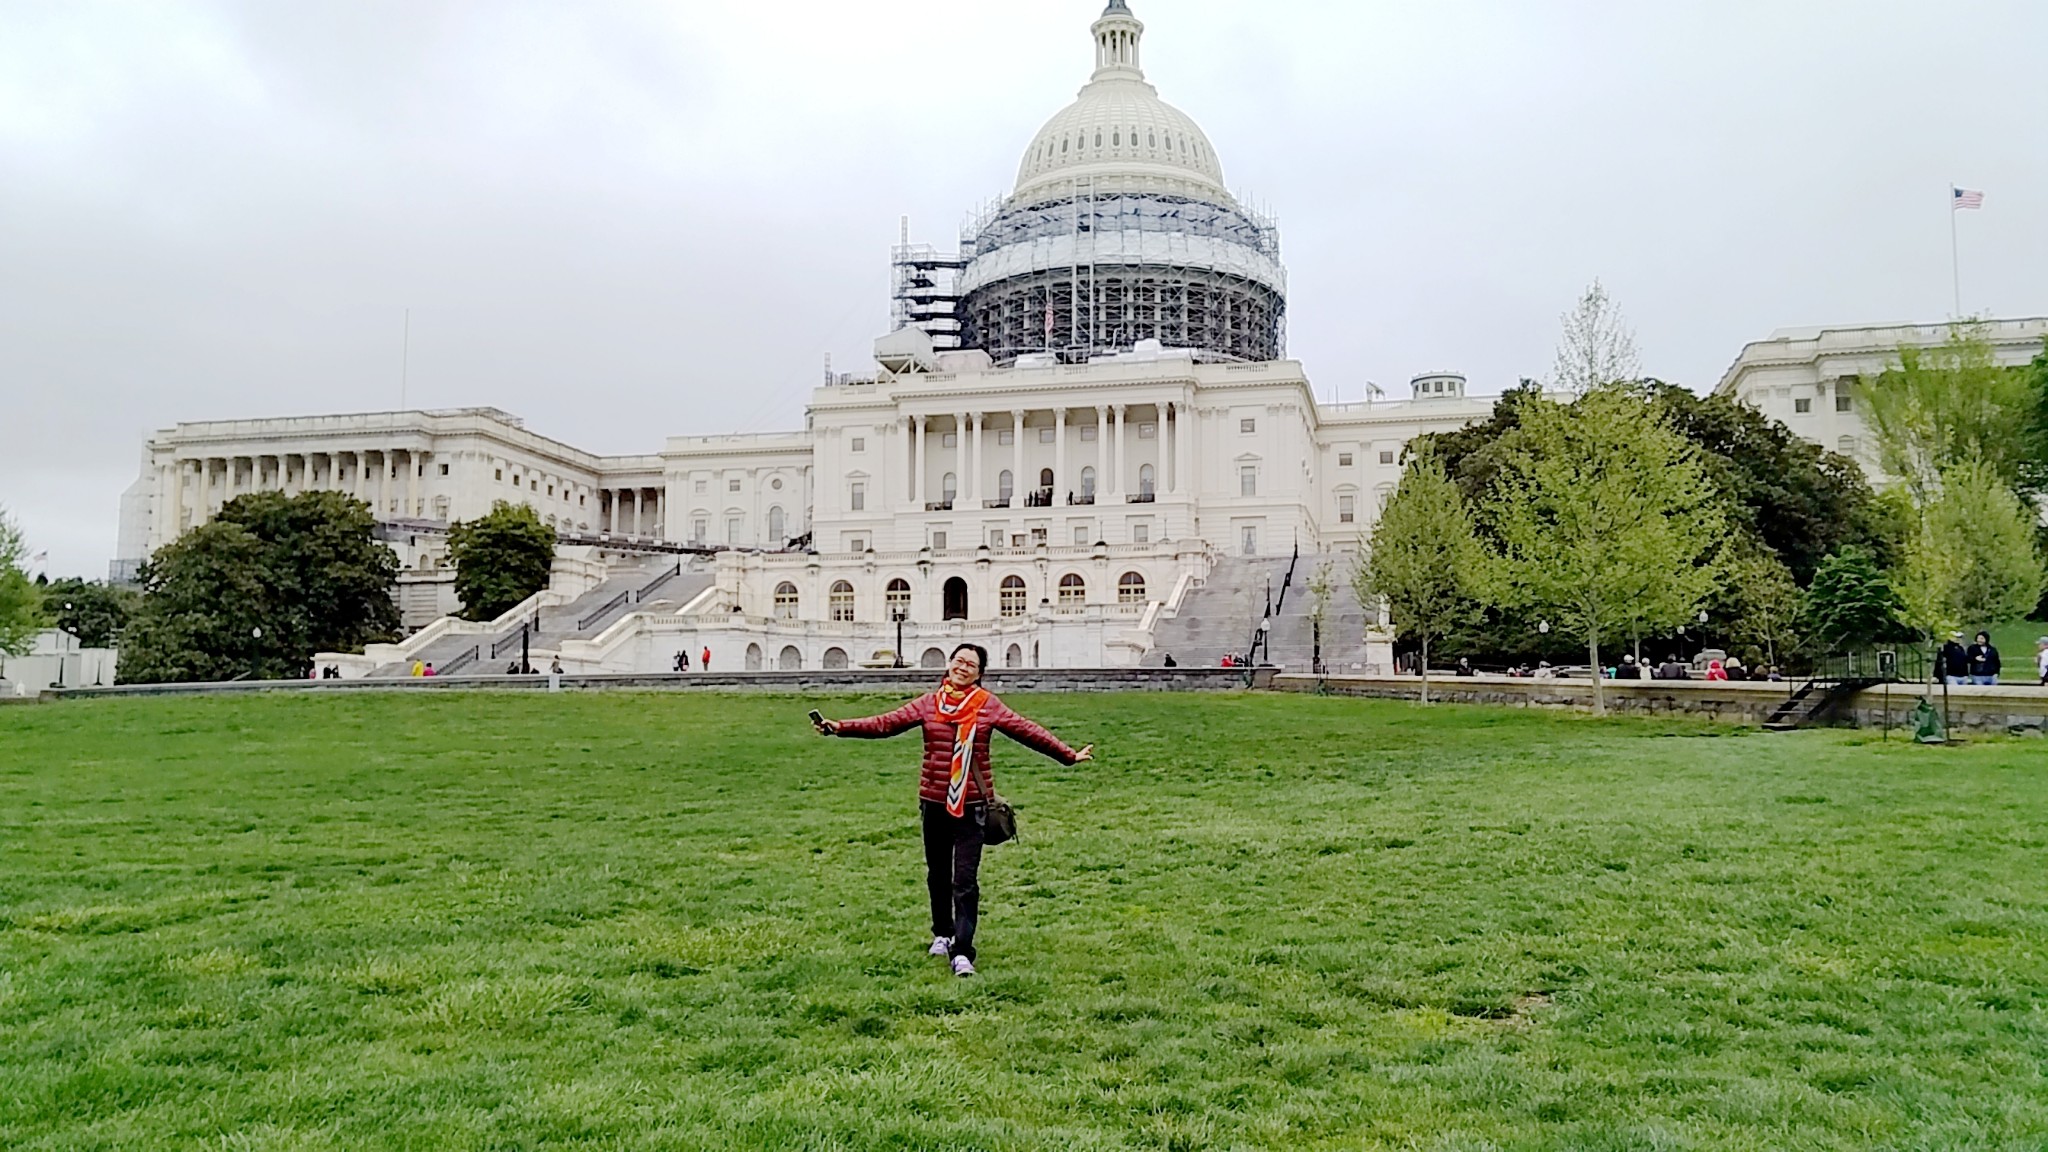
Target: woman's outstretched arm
(1035, 737)
(881, 727)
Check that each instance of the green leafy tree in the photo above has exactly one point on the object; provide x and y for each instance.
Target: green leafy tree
(1949, 405)
(1972, 560)
(1322, 589)
(2034, 464)
(501, 558)
(90, 610)
(270, 581)
(1758, 606)
(1423, 559)
(21, 601)
(1851, 602)
(1606, 518)
(1596, 348)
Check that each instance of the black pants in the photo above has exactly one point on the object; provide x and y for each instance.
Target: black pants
(952, 871)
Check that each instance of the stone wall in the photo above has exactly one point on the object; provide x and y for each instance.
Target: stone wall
(2005, 708)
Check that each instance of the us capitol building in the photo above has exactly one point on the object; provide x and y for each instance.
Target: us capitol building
(1082, 441)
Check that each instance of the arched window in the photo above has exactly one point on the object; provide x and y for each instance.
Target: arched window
(1010, 598)
(1087, 483)
(1073, 590)
(1384, 493)
(785, 601)
(949, 486)
(1005, 485)
(835, 659)
(1116, 139)
(897, 599)
(840, 601)
(1144, 480)
(1098, 137)
(1130, 588)
(753, 657)
(932, 658)
(1045, 477)
(1013, 657)
(1848, 446)
(776, 525)
(792, 660)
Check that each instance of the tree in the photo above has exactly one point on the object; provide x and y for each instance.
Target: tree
(1850, 602)
(1423, 559)
(94, 612)
(1606, 517)
(1759, 602)
(2034, 443)
(1322, 588)
(1949, 405)
(1597, 348)
(21, 602)
(501, 558)
(1972, 559)
(270, 581)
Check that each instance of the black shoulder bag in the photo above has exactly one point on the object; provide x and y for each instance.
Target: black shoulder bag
(999, 821)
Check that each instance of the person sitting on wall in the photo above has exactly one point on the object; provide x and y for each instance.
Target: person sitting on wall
(1170, 662)
(1465, 666)
(1984, 661)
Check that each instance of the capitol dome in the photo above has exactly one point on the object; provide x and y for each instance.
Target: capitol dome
(1121, 230)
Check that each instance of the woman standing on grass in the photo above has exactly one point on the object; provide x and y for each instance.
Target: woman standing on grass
(959, 720)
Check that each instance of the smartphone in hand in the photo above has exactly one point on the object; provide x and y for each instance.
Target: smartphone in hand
(817, 717)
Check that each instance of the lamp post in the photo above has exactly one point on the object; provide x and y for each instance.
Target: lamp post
(255, 661)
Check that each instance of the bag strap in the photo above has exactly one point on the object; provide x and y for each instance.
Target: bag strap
(980, 773)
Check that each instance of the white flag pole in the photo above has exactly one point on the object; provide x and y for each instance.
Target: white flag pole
(1955, 264)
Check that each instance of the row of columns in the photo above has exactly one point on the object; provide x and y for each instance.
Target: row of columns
(199, 485)
(631, 511)
(1111, 457)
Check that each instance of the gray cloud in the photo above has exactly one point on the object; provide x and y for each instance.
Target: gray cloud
(628, 220)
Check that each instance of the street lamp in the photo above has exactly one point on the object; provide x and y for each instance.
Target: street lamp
(255, 634)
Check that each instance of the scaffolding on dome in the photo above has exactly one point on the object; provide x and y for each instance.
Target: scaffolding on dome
(1098, 269)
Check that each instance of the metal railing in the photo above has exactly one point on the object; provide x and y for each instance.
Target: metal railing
(584, 624)
(508, 643)
(460, 662)
(666, 575)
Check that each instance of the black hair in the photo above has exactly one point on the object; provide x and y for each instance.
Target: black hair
(980, 654)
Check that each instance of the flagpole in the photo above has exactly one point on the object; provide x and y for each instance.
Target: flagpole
(1955, 263)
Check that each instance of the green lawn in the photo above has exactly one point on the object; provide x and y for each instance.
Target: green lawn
(625, 921)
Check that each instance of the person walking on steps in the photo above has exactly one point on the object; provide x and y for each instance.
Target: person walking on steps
(958, 721)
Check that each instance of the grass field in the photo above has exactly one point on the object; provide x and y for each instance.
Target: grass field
(620, 921)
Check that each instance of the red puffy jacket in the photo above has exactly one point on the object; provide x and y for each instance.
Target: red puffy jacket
(938, 741)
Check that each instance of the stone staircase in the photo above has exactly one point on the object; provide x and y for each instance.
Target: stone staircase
(662, 583)
(1222, 614)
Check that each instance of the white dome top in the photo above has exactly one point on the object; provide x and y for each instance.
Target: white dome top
(1119, 130)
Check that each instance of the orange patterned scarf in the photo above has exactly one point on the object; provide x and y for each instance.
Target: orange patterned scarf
(963, 711)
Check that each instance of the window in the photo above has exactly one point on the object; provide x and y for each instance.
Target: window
(1087, 483)
(1248, 540)
(1148, 431)
(995, 537)
(732, 485)
(1141, 533)
(1386, 456)
(1145, 479)
(949, 486)
(776, 484)
(897, 598)
(1130, 588)
(785, 601)
(1843, 403)
(1383, 494)
(1248, 424)
(499, 473)
(701, 486)
(1073, 590)
(551, 489)
(1080, 535)
(1803, 404)
(1045, 477)
(777, 523)
(1088, 433)
(534, 487)
(1848, 446)
(841, 601)
(1347, 509)
(1016, 540)
(1006, 437)
(860, 444)
(1343, 459)
(1005, 486)
(856, 543)
(857, 497)
(938, 540)
(1045, 435)
(1010, 597)
(697, 530)
(732, 529)
(1038, 535)
(1248, 480)
(444, 469)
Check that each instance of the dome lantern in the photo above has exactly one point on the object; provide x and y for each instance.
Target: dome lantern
(1116, 43)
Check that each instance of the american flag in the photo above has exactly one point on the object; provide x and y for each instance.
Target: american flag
(1964, 198)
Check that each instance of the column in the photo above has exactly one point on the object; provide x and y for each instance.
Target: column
(974, 462)
(1059, 452)
(1018, 484)
(960, 457)
(413, 468)
(1102, 484)
(1184, 434)
(1121, 464)
(917, 488)
(383, 484)
(637, 509)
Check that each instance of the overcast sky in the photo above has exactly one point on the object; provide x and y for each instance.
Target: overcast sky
(624, 221)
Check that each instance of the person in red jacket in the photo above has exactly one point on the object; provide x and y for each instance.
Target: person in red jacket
(958, 720)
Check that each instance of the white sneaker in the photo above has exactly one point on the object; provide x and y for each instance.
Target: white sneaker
(962, 966)
(941, 946)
